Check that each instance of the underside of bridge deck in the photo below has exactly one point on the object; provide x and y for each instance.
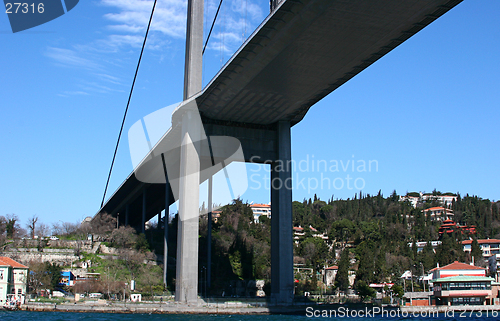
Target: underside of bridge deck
(303, 51)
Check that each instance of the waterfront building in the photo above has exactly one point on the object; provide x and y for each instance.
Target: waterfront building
(462, 284)
(67, 278)
(463, 290)
(13, 279)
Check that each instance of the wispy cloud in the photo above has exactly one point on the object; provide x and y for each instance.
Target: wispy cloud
(71, 58)
(132, 16)
(126, 25)
(73, 93)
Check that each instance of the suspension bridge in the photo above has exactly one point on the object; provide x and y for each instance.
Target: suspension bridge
(301, 52)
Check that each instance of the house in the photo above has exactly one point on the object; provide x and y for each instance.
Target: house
(439, 213)
(329, 275)
(490, 247)
(494, 266)
(13, 279)
(216, 216)
(67, 278)
(418, 198)
(381, 289)
(413, 200)
(421, 245)
(260, 209)
(443, 199)
(462, 284)
(299, 233)
(449, 227)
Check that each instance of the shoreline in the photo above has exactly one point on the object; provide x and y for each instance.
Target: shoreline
(229, 308)
(163, 308)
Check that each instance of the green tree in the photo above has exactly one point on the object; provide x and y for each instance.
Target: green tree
(427, 256)
(364, 290)
(398, 290)
(475, 251)
(53, 272)
(342, 277)
(11, 225)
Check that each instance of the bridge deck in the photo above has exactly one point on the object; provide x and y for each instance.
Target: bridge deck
(302, 52)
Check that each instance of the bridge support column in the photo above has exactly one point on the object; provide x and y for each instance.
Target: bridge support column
(165, 230)
(281, 219)
(186, 284)
(209, 235)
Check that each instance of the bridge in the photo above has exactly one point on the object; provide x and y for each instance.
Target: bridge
(301, 52)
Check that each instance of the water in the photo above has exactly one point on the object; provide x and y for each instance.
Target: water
(64, 316)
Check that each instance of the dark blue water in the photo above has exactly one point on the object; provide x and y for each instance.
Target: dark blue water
(62, 316)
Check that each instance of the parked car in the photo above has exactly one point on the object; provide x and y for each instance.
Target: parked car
(54, 238)
(95, 295)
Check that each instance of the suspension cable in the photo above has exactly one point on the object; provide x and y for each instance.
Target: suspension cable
(128, 104)
(212, 27)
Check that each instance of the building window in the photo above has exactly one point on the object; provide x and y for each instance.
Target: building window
(19, 291)
(1, 275)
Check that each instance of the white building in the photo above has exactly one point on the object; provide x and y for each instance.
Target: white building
(439, 213)
(13, 280)
(329, 275)
(260, 209)
(442, 199)
(421, 245)
(490, 247)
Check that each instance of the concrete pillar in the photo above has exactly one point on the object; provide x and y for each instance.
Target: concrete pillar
(143, 217)
(186, 281)
(165, 228)
(209, 234)
(194, 49)
(281, 219)
(186, 285)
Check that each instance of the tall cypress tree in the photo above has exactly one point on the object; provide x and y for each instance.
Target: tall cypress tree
(342, 277)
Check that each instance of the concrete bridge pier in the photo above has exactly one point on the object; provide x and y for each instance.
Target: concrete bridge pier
(186, 286)
(281, 219)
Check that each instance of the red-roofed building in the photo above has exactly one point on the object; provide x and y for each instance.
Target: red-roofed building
(13, 279)
(438, 213)
(489, 246)
(462, 284)
(456, 269)
(260, 209)
(449, 227)
(329, 275)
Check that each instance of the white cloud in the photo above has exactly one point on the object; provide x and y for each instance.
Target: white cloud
(125, 28)
(132, 16)
(70, 58)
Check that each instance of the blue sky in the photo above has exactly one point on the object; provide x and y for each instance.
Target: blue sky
(427, 113)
